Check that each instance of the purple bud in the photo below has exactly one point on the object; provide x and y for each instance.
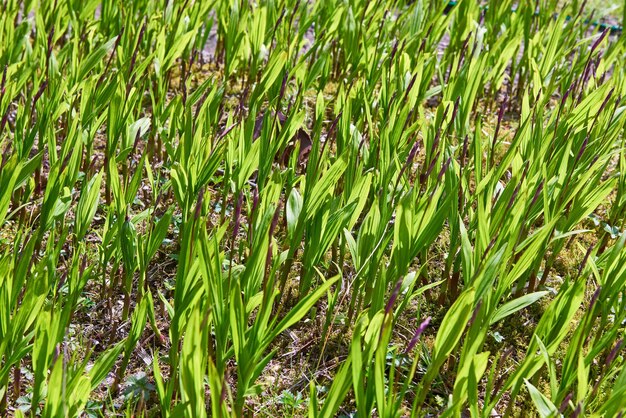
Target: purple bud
(606, 100)
(438, 133)
(330, 133)
(199, 204)
(444, 168)
(50, 38)
(92, 165)
(613, 353)
(463, 51)
(582, 266)
(455, 111)
(475, 313)
(226, 131)
(394, 50)
(577, 411)
(192, 58)
(501, 361)
(582, 149)
(136, 50)
(418, 332)
(108, 64)
(582, 8)
(464, 152)
(283, 86)
(599, 40)
(565, 402)
(255, 199)
(393, 297)
(414, 149)
(83, 265)
(500, 117)
(490, 246)
(514, 195)
(66, 161)
(410, 86)
(431, 166)
(295, 9)
(567, 93)
(62, 280)
(136, 142)
(280, 19)
(517, 187)
(38, 95)
(537, 193)
(594, 298)
(596, 65)
(200, 103)
(237, 215)
(275, 220)
(4, 81)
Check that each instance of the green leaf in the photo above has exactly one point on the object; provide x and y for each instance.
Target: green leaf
(104, 364)
(325, 186)
(158, 234)
(515, 305)
(300, 309)
(294, 206)
(545, 408)
(449, 334)
(8, 179)
(95, 58)
(87, 206)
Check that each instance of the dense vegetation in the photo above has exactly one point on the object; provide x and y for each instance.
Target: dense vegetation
(339, 207)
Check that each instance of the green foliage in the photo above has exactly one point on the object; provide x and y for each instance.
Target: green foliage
(394, 181)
